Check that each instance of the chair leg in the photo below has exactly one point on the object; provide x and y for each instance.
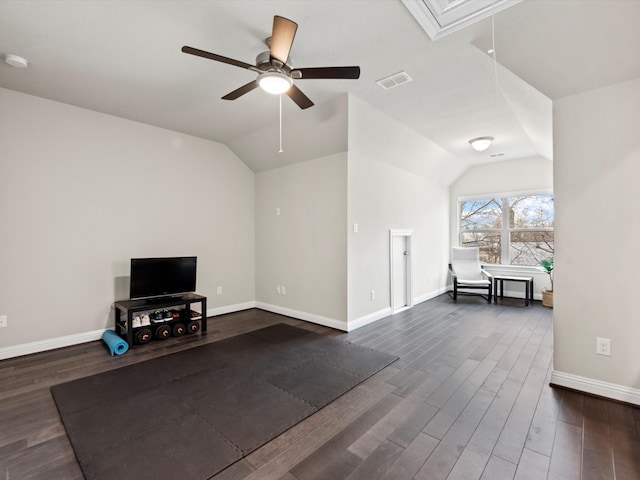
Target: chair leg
(490, 292)
(455, 290)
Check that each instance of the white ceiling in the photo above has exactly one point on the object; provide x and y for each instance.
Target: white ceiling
(124, 58)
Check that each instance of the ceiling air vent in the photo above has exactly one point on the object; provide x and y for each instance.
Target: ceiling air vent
(394, 80)
(494, 155)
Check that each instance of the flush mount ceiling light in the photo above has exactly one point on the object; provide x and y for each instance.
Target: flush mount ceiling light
(480, 144)
(15, 60)
(275, 82)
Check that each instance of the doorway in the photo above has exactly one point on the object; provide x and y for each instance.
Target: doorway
(400, 270)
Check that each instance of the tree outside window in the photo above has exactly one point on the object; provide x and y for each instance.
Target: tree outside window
(511, 230)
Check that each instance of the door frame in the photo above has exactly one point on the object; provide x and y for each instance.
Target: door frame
(408, 274)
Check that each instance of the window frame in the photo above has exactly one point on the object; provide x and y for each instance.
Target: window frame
(506, 230)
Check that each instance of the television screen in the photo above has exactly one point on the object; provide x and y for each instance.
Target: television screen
(158, 277)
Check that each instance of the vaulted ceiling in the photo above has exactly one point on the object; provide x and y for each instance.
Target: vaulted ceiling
(125, 59)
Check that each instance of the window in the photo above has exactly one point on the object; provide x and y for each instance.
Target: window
(514, 230)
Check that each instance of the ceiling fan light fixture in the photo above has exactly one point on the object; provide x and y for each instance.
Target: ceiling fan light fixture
(480, 144)
(275, 82)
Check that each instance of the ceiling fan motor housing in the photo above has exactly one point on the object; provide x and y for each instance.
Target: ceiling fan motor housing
(266, 63)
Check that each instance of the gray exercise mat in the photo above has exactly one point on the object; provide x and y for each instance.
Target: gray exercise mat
(191, 414)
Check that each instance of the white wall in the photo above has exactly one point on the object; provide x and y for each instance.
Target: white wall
(304, 248)
(397, 180)
(533, 175)
(83, 192)
(391, 178)
(323, 129)
(596, 172)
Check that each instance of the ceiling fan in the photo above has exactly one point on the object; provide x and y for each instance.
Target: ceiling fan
(275, 75)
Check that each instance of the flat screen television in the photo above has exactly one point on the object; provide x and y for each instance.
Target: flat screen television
(162, 277)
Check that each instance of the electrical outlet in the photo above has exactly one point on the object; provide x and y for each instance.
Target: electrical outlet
(278, 289)
(373, 294)
(355, 228)
(3, 321)
(219, 290)
(603, 346)
(277, 211)
(283, 290)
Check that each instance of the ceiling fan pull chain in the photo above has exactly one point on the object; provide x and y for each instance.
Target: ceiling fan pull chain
(280, 98)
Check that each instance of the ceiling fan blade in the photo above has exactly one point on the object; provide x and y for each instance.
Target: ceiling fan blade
(326, 72)
(300, 98)
(217, 58)
(238, 92)
(284, 30)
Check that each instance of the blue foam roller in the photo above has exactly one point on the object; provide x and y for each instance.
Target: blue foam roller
(116, 344)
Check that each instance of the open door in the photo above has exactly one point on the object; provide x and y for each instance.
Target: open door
(400, 281)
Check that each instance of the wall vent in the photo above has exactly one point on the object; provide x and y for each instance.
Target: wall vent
(394, 80)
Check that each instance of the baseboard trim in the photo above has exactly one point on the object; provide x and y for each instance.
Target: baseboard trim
(367, 319)
(596, 387)
(50, 344)
(307, 317)
(520, 294)
(325, 321)
(213, 312)
(76, 339)
(385, 312)
(430, 295)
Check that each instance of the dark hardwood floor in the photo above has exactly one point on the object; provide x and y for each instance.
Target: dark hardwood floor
(469, 398)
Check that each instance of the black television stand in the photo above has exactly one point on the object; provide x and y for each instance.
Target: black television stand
(152, 302)
(130, 307)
